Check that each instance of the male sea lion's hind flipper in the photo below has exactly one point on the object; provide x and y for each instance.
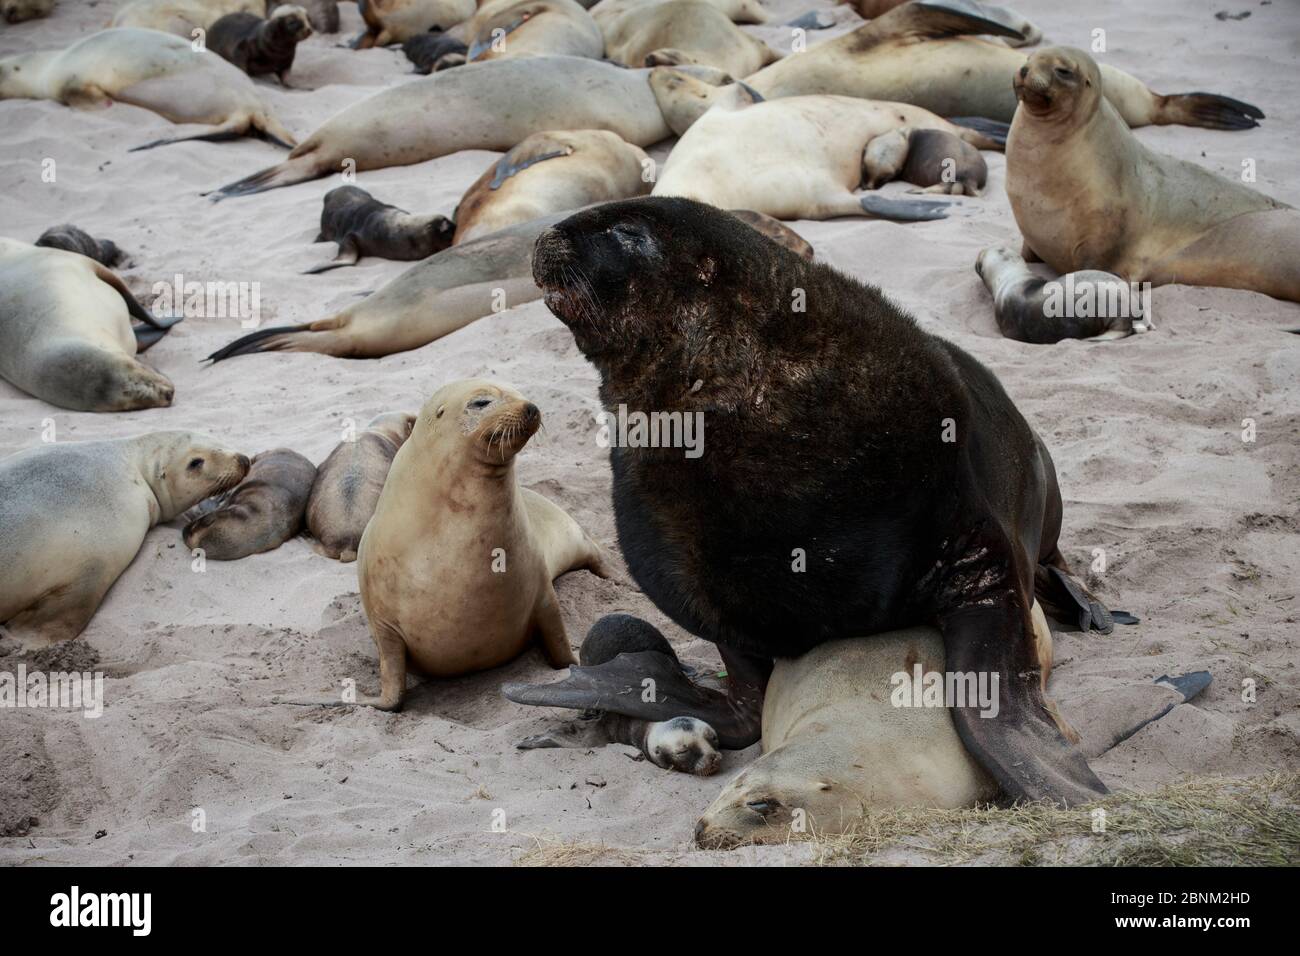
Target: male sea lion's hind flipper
(1206, 109)
(993, 129)
(1066, 599)
(1018, 742)
(619, 686)
(903, 210)
(275, 339)
(947, 18)
(149, 335)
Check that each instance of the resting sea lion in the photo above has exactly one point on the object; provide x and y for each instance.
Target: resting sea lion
(348, 484)
(322, 14)
(434, 51)
(1087, 195)
(1029, 34)
(72, 239)
(66, 335)
(395, 21)
(737, 11)
(364, 226)
(680, 32)
(259, 514)
(16, 11)
(443, 293)
(149, 69)
(181, 17)
(506, 28)
(922, 53)
(1029, 308)
(259, 46)
(897, 482)
(552, 172)
(456, 565)
(443, 113)
(796, 158)
(932, 158)
(76, 513)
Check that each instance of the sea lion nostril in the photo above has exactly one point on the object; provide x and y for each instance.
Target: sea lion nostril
(531, 413)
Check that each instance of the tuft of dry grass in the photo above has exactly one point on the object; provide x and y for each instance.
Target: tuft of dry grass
(551, 851)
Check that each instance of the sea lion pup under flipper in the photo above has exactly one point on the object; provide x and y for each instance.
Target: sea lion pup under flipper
(456, 565)
(434, 51)
(796, 158)
(1088, 196)
(680, 32)
(513, 28)
(395, 21)
(956, 523)
(71, 239)
(66, 335)
(76, 513)
(17, 11)
(259, 46)
(1029, 308)
(552, 172)
(923, 53)
(259, 514)
(364, 226)
(931, 158)
(443, 113)
(348, 484)
(150, 69)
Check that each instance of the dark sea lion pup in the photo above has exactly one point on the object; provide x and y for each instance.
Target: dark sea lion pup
(858, 475)
(259, 514)
(434, 51)
(364, 226)
(259, 46)
(72, 239)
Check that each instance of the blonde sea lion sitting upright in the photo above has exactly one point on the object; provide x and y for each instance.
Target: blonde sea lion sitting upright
(1088, 196)
(150, 69)
(457, 563)
(928, 53)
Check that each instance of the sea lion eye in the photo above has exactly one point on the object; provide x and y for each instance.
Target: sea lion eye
(440, 411)
(762, 806)
(195, 464)
(1064, 73)
(479, 403)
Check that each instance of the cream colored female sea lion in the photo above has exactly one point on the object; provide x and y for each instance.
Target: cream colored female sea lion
(348, 484)
(795, 158)
(445, 113)
(456, 565)
(74, 515)
(922, 53)
(66, 335)
(551, 172)
(933, 159)
(443, 293)
(1081, 305)
(1087, 195)
(181, 17)
(681, 32)
(737, 11)
(149, 69)
(395, 21)
(259, 514)
(16, 11)
(507, 28)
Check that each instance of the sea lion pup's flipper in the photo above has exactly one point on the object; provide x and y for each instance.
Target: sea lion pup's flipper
(348, 255)
(1021, 745)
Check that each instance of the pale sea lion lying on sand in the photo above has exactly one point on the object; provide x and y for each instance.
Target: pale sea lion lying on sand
(153, 70)
(76, 513)
(259, 514)
(680, 32)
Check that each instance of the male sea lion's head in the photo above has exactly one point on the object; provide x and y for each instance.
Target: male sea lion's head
(1058, 83)
(493, 422)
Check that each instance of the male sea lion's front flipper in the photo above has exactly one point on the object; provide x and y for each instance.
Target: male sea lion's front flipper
(947, 18)
(1017, 741)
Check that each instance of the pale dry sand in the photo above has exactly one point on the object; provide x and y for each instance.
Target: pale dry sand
(1199, 527)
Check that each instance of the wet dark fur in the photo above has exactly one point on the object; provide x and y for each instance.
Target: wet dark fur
(72, 239)
(259, 514)
(823, 433)
(427, 51)
(352, 216)
(255, 45)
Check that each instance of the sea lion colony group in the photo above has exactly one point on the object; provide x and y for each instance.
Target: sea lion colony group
(948, 556)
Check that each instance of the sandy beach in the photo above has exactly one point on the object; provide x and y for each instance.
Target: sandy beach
(1199, 527)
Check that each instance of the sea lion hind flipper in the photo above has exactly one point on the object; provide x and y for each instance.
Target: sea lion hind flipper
(947, 18)
(300, 167)
(813, 20)
(133, 306)
(903, 210)
(348, 255)
(619, 686)
(272, 339)
(1209, 110)
(1062, 593)
(149, 335)
(537, 149)
(1018, 742)
(993, 129)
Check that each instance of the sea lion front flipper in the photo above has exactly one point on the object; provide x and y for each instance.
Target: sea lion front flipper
(133, 306)
(1109, 718)
(1064, 593)
(550, 629)
(536, 149)
(147, 336)
(903, 210)
(1016, 741)
(948, 18)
